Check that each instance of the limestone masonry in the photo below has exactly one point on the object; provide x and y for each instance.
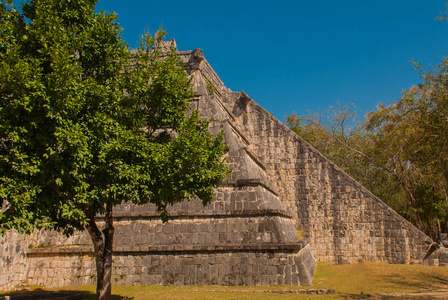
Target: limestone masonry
(283, 207)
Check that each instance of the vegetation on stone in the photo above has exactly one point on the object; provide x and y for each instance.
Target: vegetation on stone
(81, 130)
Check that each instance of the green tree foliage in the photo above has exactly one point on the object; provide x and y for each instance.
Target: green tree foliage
(397, 153)
(420, 117)
(340, 135)
(86, 124)
(405, 148)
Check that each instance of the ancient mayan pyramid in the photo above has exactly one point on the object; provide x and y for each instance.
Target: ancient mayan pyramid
(283, 207)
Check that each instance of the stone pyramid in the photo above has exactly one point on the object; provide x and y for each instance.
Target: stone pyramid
(283, 206)
(245, 237)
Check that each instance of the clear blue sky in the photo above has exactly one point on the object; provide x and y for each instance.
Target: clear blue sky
(302, 55)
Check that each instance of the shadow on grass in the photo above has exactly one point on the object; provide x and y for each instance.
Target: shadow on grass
(439, 279)
(349, 296)
(401, 297)
(41, 294)
(430, 282)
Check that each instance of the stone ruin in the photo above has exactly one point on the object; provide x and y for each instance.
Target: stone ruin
(283, 207)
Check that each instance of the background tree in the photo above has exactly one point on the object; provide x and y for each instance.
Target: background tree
(390, 152)
(400, 152)
(81, 130)
(337, 132)
(422, 112)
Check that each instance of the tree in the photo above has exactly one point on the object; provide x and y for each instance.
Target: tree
(422, 114)
(81, 130)
(337, 132)
(396, 143)
(389, 153)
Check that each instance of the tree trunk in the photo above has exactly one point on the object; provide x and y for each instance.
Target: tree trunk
(102, 243)
(412, 202)
(446, 199)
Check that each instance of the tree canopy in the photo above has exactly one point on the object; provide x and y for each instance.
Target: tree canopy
(86, 124)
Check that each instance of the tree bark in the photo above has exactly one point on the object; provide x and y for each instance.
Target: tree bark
(446, 199)
(412, 201)
(102, 243)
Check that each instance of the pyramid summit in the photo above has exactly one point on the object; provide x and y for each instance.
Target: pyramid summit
(283, 207)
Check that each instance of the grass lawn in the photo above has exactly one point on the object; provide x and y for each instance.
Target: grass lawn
(366, 280)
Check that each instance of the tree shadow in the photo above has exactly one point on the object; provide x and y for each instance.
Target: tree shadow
(350, 296)
(431, 282)
(404, 297)
(41, 294)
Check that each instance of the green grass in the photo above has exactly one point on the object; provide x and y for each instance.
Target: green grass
(381, 279)
(366, 280)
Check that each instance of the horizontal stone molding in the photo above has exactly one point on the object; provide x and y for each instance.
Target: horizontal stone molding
(155, 249)
(250, 182)
(204, 214)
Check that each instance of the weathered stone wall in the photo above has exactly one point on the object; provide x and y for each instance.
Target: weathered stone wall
(344, 221)
(12, 259)
(16, 266)
(53, 267)
(225, 266)
(242, 234)
(219, 268)
(241, 238)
